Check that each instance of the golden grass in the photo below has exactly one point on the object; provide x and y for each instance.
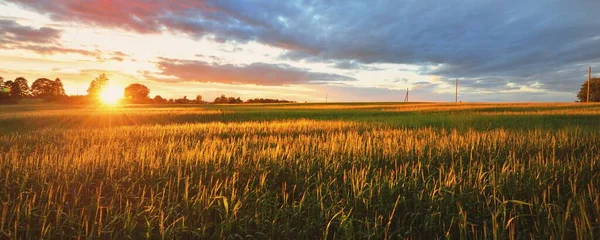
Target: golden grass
(297, 178)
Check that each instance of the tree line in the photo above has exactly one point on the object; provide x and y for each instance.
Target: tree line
(13, 91)
(42, 88)
(53, 91)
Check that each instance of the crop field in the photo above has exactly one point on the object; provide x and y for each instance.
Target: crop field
(297, 171)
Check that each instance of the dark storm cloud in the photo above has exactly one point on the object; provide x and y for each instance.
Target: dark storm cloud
(516, 40)
(256, 73)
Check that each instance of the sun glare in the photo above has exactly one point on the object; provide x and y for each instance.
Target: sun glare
(110, 95)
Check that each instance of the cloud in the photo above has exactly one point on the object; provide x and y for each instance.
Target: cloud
(354, 65)
(520, 41)
(473, 37)
(256, 73)
(40, 40)
(11, 32)
(45, 41)
(51, 50)
(140, 16)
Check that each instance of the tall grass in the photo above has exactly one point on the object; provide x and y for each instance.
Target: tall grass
(296, 178)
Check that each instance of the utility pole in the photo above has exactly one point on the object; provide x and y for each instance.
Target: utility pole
(589, 79)
(406, 97)
(456, 97)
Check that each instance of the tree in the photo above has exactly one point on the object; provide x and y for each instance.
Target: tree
(4, 91)
(59, 89)
(8, 86)
(227, 100)
(221, 99)
(42, 88)
(137, 92)
(23, 88)
(15, 91)
(159, 99)
(268, 100)
(199, 99)
(183, 100)
(594, 91)
(97, 85)
(47, 89)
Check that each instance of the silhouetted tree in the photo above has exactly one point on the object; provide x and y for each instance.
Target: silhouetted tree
(221, 99)
(136, 92)
(42, 88)
(47, 89)
(21, 88)
(5, 92)
(15, 91)
(199, 99)
(159, 99)
(183, 100)
(594, 91)
(267, 100)
(59, 89)
(227, 100)
(97, 85)
(8, 86)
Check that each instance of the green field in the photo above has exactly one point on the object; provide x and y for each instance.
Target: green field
(343, 171)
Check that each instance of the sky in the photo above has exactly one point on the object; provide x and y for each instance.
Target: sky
(305, 50)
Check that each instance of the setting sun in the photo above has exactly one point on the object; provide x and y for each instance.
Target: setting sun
(111, 95)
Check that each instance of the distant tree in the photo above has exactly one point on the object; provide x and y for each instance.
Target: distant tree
(8, 86)
(594, 91)
(159, 99)
(136, 92)
(227, 100)
(47, 89)
(59, 89)
(183, 100)
(220, 100)
(171, 101)
(4, 92)
(43, 88)
(267, 100)
(15, 91)
(97, 85)
(199, 99)
(23, 88)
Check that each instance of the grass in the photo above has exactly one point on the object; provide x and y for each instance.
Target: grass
(382, 170)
